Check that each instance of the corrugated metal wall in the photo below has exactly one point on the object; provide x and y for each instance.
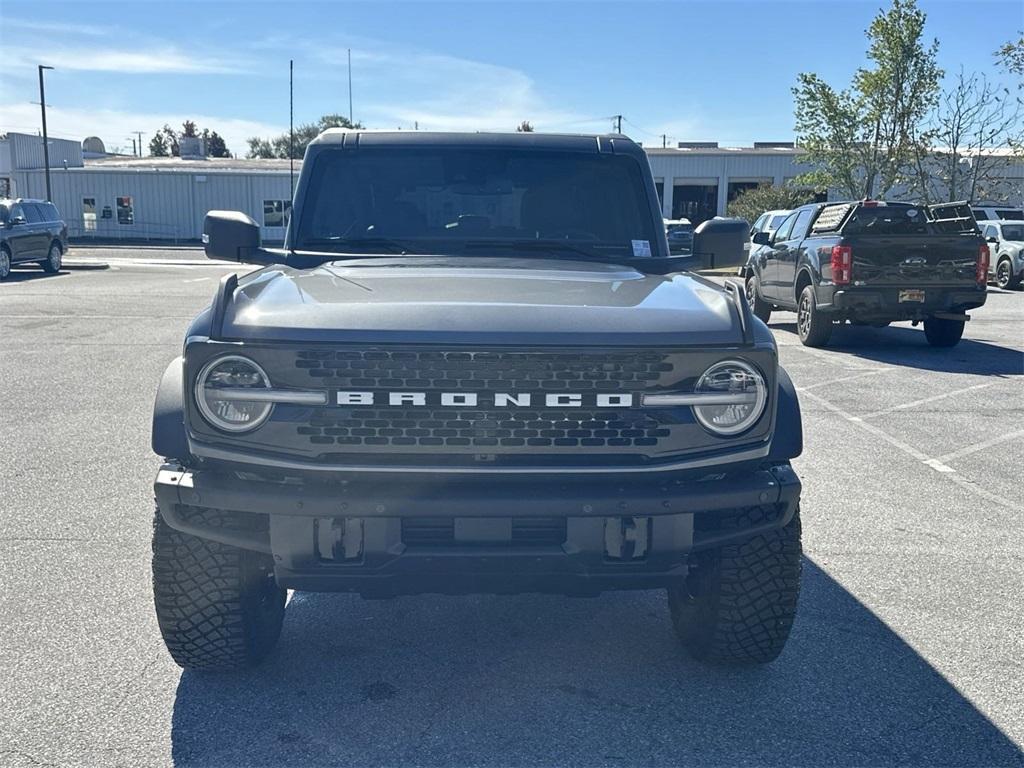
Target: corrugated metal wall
(27, 152)
(165, 205)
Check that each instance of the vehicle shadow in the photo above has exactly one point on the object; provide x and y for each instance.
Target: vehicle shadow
(906, 346)
(17, 275)
(539, 680)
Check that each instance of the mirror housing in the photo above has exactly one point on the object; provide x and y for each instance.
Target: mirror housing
(720, 243)
(993, 239)
(761, 238)
(233, 236)
(16, 220)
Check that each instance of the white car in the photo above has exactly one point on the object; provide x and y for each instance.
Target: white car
(1006, 251)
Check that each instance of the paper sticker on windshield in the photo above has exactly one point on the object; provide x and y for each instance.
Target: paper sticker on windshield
(912, 212)
(641, 248)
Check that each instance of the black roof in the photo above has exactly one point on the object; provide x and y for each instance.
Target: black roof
(612, 143)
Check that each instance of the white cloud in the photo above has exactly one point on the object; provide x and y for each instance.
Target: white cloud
(158, 59)
(53, 27)
(115, 127)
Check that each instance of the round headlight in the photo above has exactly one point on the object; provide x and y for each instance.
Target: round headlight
(227, 394)
(744, 395)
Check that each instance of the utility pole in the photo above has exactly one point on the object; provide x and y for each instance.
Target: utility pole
(46, 139)
(350, 86)
(664, 141)
(618, 123)
(139, 134)
(291, 124)
(135, 152)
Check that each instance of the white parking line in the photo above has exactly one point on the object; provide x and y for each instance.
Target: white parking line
(840, 380)
(968, 450)
(925, 400)
(937, 464)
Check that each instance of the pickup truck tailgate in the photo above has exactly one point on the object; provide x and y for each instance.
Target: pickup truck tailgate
(915, 260)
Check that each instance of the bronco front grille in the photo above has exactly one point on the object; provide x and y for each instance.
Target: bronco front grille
(484, 372)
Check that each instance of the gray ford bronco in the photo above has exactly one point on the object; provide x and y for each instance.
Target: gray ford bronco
(474, 367)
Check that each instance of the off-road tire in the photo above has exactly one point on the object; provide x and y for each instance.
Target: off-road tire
(52, 264)
(1005, 278)
(5, 263)
(941, 332)
(738, 603)
(812, 326)
(761, 308)
(218, 606)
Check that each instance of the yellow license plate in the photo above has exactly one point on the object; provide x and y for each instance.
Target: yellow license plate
(914, 295)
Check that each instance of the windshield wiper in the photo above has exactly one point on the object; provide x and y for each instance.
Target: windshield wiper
(348, 245)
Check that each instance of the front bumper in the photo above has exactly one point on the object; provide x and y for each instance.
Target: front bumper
(575, 536)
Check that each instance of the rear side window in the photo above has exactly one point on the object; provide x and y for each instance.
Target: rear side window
(800, 227)
(1010, 215)
(1014, 232)
(32, 213)
(887, 220)
(50, 212)
(782, 233)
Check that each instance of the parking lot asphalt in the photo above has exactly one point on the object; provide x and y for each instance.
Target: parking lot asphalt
(907, 648)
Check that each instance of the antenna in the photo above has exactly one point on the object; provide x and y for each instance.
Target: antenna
(291, 125)
(350, 86)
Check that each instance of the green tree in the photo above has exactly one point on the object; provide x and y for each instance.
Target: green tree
(158, 146)
(863, 140)
(524, 127)
(281, 146)
(751, 203)
(214, 144)
(1010, 57)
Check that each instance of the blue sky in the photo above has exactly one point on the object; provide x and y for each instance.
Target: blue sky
(692, 70)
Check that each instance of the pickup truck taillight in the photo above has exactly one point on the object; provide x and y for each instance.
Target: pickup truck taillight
(842, 264)
(981, 268)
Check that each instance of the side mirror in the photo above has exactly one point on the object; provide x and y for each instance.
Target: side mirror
(719, 243)
(233, 236)
(761, 238)
(993, 239)
(17, 220)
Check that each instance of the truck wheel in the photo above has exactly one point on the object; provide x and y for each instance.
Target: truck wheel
(813, 327)
(941, 332)
(1005, 278)
(761, 309)
(218, 606)
(738, 603)
(53, 262)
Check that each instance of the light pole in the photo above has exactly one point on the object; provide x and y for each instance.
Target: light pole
(46, 140)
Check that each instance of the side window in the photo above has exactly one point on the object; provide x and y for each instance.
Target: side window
(1010, 215)
(276, 212)
(52, 214)
(979, 214)
(759, 224)
(17, 212)
(32, 213)
(803, 220)
(782, 233)
(990, 231)
(125, 210)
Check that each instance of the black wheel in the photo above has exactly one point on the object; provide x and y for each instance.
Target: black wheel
(218, 606)
(1005, 278)
(761, 308)
(813, 327)
(941, 332)
(53, 261)
(5, 263)
(738, 603)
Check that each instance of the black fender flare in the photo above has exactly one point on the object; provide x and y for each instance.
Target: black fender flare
(169, 438)
(788, 440)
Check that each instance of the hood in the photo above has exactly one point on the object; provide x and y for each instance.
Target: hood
(480, 301)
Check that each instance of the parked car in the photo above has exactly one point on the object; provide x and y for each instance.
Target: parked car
(768, 222)
(872, 263)
(997, 213)
(535, 399)
(1006, 243)
(680, 235)
(31, 231)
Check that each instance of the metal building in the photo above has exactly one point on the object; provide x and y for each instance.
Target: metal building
(166, 198)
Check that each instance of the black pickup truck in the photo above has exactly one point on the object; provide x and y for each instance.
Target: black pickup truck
(475, 367)
(872, 263)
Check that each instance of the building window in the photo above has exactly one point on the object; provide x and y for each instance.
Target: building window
(125, 211)
(276, 212)
(89, 214)
(696, 202)
(5, 186)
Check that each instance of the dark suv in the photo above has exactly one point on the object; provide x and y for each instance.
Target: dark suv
(31, 231)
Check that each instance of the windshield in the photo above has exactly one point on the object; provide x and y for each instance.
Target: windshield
(1014, 232)
(776, 221)
(444, 200)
